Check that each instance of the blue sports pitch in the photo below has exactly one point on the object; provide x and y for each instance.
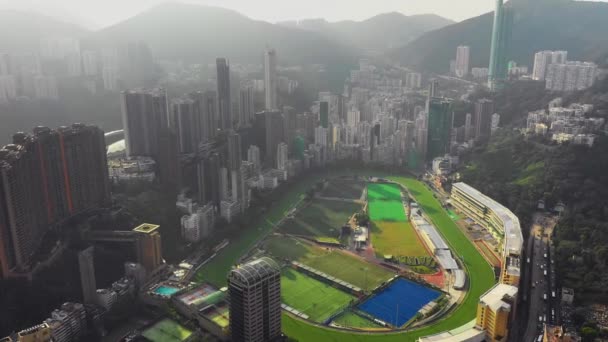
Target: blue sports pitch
(399, 302)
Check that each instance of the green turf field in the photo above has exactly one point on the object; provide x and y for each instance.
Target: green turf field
(322, 218)
(333, 262)
(344, 189)
(167, 331)
(350, 319)
(480, 274)
(216, 271)
(316, 299)
(386, 211)
(396, 239)
(384, 203)
(383, 192)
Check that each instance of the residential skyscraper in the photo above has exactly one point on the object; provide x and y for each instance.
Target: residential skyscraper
(209, 179)
(484, 109)
(543, 59)
(274, 135)
(6, 65)
(413, 80)
(144, 118)
(234, 151)
(570, 76)
(110, 78)
(246, 106)
(282, 155)
(90, 63)
(559, 57)
(224, 100)
(253, 156)
(185, 123)
(87, 275)
(501, 36)
(46, 178)
(45, 87)
(468, 127)
(8, 88)
(148, 246)
(209, 115)
(463, 56)
(324, 114)
(270, 79)
(439, 125)
(255, 301)
(353, 118)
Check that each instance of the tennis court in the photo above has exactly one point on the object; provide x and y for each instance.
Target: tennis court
(316, 299)
(399, 302)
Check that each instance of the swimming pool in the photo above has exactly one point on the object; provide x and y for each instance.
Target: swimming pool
(165, 290)
(399, 302)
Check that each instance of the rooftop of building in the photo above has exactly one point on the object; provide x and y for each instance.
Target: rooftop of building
(255, 270)
(147, 91)
(146, 228)
(554, 333)
(205, 294)
(512, 229)
(496, 297)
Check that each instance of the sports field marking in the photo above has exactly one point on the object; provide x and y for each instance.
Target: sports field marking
(397, 239)
(315, 298)
(351, 319)
(334, 262)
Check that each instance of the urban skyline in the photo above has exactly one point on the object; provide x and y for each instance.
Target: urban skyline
(271, 199)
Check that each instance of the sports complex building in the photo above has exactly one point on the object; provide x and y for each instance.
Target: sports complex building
(499, 220)
(497, 306)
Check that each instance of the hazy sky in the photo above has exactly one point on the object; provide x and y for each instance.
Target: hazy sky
(99, 13)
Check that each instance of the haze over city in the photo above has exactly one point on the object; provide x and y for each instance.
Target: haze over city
(96, 14)
(281, 171)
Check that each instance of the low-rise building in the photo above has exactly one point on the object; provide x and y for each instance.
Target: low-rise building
(495, 311)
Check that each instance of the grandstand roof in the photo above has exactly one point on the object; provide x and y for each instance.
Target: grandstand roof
(447, 262)
(460, 279)
(431, 232)
(512, 229)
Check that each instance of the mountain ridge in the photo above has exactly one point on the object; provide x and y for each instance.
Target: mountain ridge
(22, 31)
(201, 33)
(379, 32)
(537, 26)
